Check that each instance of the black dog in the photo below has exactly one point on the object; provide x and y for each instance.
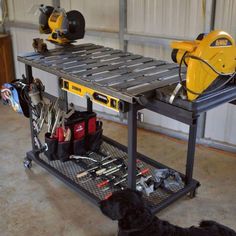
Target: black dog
(135, 219)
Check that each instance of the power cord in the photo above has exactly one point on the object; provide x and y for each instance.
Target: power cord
(232, 75)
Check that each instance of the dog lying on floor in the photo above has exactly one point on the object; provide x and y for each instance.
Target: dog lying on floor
(134, 219)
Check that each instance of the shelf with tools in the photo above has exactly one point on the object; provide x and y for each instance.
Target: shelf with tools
(97, 188)
(126, 83)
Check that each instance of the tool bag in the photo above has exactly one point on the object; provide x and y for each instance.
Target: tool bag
(86, 135)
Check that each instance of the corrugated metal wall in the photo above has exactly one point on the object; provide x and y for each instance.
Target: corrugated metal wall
(220, 122)
(180, 18)
(173, 18)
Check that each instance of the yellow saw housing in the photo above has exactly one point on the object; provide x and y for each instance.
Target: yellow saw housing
(216, 48)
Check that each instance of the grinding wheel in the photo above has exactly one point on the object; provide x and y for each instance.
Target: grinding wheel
(45, 12)
(76, 28)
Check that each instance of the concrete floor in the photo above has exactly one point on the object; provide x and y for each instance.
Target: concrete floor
(32, 202)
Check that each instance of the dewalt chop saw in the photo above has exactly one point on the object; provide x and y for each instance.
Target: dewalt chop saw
(63, 27)
(210, 62)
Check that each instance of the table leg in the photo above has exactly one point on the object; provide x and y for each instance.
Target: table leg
(62, 94)
(89, 105)
(191, 151)
(29, 78)
(132, 146)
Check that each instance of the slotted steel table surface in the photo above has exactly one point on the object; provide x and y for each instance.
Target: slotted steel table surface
(110, 71)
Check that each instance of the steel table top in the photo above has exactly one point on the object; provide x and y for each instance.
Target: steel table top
(123, 75)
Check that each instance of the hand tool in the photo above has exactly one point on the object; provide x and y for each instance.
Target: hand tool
(34, 95)
(114, 169)
(51, 115)
(82, 158)
(67, 135)
(108, 170)
(105, 182)
(57, 121)
(210, 58)
(86, 172)
(167, 178)
(63, 27)
(43, 116)
(143, 172)
(59, 130)
(146, 185)
(39, 46)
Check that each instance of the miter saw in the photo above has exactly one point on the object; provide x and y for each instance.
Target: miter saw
(63, 27)
(210, 62)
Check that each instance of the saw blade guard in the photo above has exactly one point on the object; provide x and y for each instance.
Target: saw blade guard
(45, 13)
(207, 58)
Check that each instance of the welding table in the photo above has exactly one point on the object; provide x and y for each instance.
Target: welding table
(127, 82)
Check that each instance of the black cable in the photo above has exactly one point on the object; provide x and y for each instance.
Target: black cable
(24, 95)
(208, 64)
(211, 67)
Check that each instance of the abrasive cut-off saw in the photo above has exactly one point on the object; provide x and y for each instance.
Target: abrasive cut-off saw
(63, 27)
(209, 59)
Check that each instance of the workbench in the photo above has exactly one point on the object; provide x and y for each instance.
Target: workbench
(124, 82)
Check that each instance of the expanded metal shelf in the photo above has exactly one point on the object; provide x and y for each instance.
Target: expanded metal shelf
(67, 172)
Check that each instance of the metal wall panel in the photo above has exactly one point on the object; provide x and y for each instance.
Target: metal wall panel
(225, 16)
(182, 18)
(167, 18)
(220, 122)
(99, 14)
(25, 10)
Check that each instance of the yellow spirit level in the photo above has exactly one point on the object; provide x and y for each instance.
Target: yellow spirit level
(97, 97)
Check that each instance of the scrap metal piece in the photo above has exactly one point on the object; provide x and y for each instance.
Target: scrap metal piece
(39, 46)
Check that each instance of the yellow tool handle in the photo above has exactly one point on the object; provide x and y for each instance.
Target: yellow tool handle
(83, 174)
(100, 172)
(186, 46)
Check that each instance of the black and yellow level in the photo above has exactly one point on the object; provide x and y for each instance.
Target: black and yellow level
(95, 96)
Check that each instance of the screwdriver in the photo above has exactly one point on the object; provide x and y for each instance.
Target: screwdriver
(86, 172)
(123, 178)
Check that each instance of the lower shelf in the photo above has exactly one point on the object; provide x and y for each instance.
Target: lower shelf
(67, 172)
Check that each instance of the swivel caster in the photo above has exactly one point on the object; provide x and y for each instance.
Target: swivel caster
(27, 163)
(192, 194)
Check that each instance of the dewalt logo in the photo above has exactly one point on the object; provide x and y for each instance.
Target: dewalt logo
(222, 42)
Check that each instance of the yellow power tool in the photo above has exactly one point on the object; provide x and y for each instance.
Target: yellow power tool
(208, 58)
(63, 27)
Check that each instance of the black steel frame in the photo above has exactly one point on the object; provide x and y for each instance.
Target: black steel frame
(190, 184)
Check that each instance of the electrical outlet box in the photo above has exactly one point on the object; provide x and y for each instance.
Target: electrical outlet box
(140, 116)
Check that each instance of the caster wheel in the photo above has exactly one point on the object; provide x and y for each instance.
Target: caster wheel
(193, 194)
(27, 163)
